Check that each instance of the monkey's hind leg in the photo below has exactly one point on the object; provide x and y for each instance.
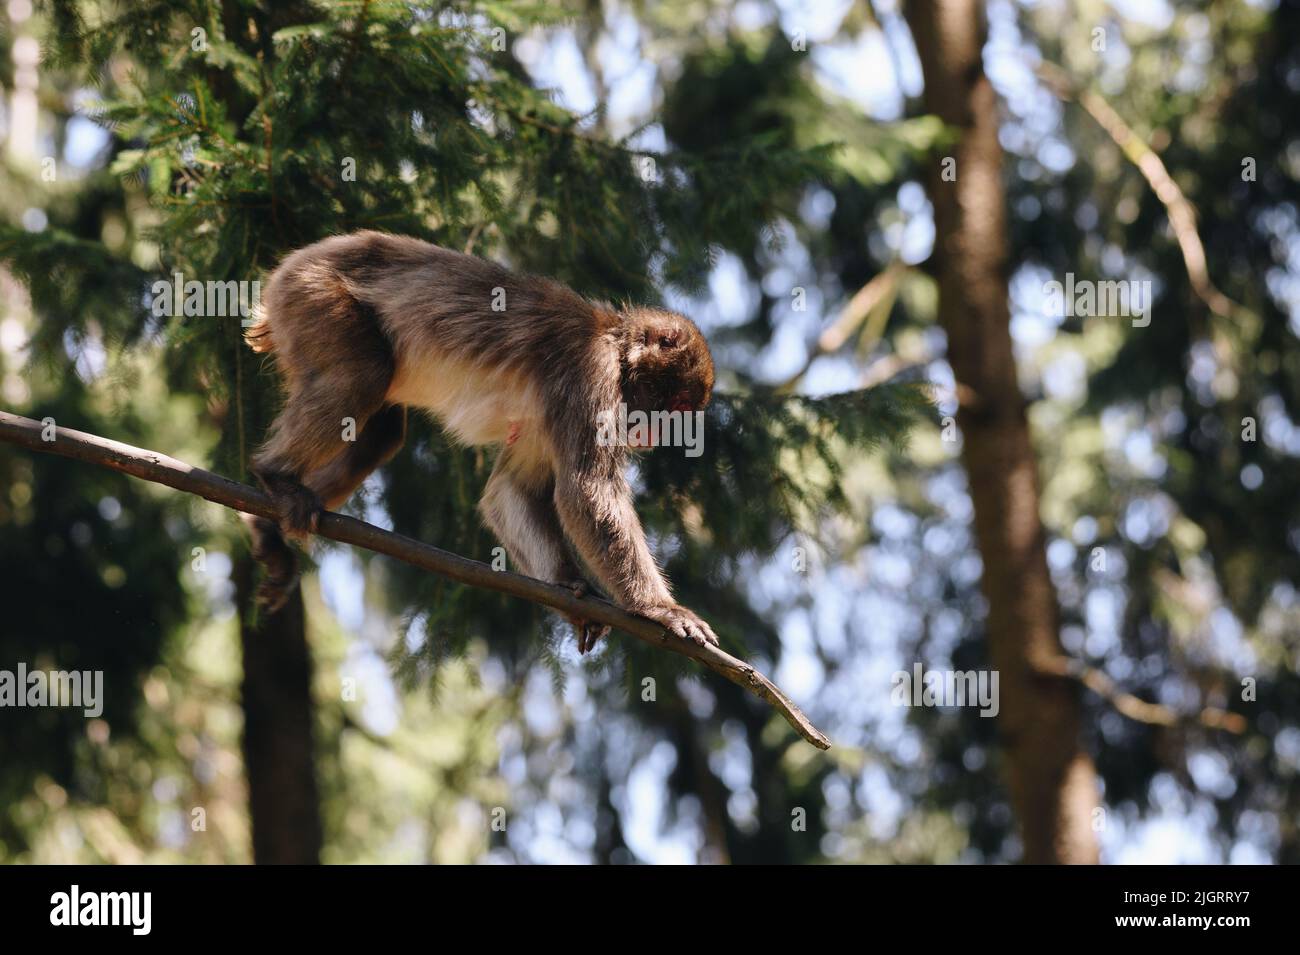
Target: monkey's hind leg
(378, 441)
(310, 434)
(279, 562)
(298, 507)
(329, 485)
(336, 364)
(313, 429)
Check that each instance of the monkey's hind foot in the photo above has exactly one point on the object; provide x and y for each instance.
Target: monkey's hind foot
(299, 506)
(588, 632)
(279, 564)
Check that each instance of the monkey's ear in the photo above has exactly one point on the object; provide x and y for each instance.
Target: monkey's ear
(669, 337)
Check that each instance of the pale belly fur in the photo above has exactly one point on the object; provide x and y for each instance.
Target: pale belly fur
(475, 406)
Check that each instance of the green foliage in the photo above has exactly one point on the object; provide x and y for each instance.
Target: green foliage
(243, 130)
(78, 278)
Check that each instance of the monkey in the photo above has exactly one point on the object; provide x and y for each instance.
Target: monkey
(367, 325)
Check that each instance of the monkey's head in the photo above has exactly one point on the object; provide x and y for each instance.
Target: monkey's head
(666, 362)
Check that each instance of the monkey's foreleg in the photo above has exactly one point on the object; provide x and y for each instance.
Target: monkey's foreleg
(595, 509)
(521, 514)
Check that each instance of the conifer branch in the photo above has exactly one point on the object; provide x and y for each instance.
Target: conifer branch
(161, 469)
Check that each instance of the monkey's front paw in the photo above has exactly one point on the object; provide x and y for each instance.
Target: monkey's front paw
(682, 622)
(299, 506)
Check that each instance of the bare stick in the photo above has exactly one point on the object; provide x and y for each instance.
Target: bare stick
(880, 290)
(159, 468)
(1153, 714)
(1182, 217)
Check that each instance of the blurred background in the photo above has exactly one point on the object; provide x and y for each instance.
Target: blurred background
(917, 454)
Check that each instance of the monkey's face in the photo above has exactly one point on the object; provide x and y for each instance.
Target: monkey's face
(666, 366)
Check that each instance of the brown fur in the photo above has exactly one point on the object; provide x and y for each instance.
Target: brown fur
(366, 324)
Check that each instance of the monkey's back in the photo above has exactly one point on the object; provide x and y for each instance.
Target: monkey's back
(463, 337)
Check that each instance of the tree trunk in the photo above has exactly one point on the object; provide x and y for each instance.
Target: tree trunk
(279, 752)
(1052, 779)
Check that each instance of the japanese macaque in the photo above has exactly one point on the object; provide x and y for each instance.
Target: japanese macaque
(364, 326)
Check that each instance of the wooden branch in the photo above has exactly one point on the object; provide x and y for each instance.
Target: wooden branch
(881, 289)
(1153, 714)
(160, 469)
(1182, 216)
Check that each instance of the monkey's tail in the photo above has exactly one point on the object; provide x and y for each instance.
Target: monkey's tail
(258, 335)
